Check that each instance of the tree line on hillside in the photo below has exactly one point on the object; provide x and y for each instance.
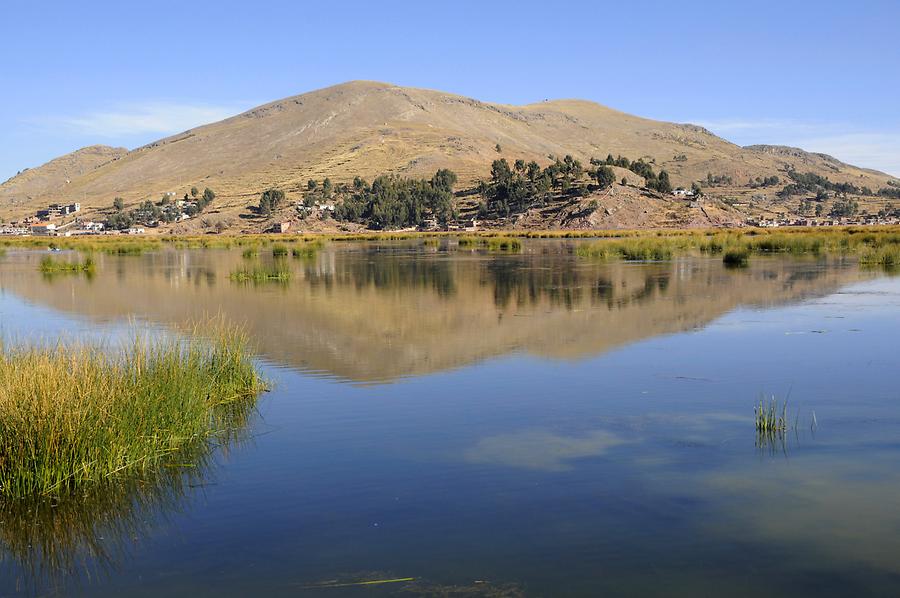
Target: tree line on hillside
(525, 185)
(150, 213)
(390, 201)
(810, 182)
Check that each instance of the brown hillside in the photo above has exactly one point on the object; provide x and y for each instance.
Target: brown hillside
(367, 128)
(52, 178)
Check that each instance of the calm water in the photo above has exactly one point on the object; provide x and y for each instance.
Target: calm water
(497, 425)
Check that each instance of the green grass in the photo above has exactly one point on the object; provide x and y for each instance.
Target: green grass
(279, 250)
(250, 253)
(257, 274)
(77, 414)
(50, 265)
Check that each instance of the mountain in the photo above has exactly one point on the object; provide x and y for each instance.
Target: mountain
(51, 179)
(366, 128)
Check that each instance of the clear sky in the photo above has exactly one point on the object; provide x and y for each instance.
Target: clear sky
(821, 75)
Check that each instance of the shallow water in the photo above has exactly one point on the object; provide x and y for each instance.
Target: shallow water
(543, 424)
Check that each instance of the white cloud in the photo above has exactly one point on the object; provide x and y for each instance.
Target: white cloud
(145, 118)
(868, 149)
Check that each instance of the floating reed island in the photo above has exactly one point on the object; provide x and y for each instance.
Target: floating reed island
(77, 414)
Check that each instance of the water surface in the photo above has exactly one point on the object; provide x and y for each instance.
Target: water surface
(546, 425)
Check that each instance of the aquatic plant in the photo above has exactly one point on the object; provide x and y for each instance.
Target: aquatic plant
(638, 249)
(887, 256)
(250, 253)
(504, 244)
(771, 416)
(260, 274)
(736, 257)
(76, 414)
(279, 250)
(49, 265)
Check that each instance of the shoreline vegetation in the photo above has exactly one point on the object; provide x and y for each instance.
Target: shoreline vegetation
(875, 246)
(75, 415)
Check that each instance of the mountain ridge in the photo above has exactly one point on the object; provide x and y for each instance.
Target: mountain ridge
(367, 128)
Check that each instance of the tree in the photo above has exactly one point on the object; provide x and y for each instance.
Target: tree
(208, 195)
(663, 184)
(194, 192)
(118, 204)
(444, 180)
(498, 148)
(605, 176)
(327, 188)
(270, 200)
(312, 184)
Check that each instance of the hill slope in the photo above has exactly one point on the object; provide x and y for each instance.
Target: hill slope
(367, 128)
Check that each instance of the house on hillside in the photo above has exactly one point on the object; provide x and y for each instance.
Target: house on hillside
(279, 227)
(43, 229)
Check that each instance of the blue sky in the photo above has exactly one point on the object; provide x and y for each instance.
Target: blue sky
(824, 76)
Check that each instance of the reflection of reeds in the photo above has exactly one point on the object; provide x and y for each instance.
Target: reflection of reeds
(74, 415)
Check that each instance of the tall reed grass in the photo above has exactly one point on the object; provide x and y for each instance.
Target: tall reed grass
(258, 274)
(76, 414)
(50, 265)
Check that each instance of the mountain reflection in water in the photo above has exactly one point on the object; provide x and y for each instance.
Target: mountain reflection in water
(370, 313)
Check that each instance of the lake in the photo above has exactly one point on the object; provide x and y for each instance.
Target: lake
(495, 424)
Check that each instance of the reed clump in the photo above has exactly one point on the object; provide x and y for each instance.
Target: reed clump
(76, 414)
(50, 265)
(886, 256)
(770, 416)
(250, 253)
(504, 244)
(736, 257)
(631, 249)
(257, 274)
(279, 250)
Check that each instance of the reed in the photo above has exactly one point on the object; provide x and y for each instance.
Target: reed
(504, 244)
(771, 416)
(736, 257)
(886, 256)
(49, 265)
(250, 253)
(258, 274)
(636, 249)
(279, 250)
(77, 414)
